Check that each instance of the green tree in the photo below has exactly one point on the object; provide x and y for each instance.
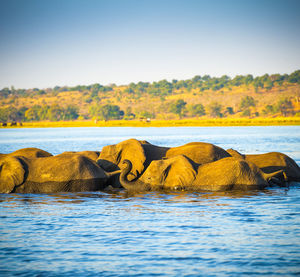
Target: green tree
(146, 114)
(5, 92)
(294, 77)
(71, 113)
(248, 79)
(268, 84)
(197, 110)
(21, 113)
(106, 112)
(4, 114)
(269, 109)
(237, 80)
(43, 112)
(229, 110)
(128, 113)
(247, 102)
(215, 109)
(246, 112)
(178, 107)
(55, 113)
(32, 114)
(129, 90)
(285, 106)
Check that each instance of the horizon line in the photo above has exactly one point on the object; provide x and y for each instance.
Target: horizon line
(153, 81)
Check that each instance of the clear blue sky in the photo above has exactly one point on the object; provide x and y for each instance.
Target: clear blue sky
(44, 43)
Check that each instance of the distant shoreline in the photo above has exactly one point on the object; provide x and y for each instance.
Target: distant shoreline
(279, 121)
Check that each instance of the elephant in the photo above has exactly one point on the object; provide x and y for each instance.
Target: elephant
(199, 152)
(181, 173)
(271, 162)
(28, 153)
(142, 153)
(169, 173)
(60, 173)
(93, 155)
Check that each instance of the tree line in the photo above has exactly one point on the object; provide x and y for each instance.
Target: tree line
(247, 106)
(38, 113)
(101, 109)
(58, 113)
(110, 112)
(163, 88)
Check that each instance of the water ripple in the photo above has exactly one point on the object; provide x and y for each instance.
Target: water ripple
(152, 234)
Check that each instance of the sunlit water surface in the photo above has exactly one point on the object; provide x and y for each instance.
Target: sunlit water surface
(153, 234)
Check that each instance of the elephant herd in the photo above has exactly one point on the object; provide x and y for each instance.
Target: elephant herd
(141, 166)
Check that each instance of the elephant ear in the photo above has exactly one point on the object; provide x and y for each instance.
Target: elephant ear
(178, 173)
(132, 150)
(11, 174)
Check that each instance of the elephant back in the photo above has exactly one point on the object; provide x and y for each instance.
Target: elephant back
(93, 155)
(199, 152)
(63, 168)
(30, 153)
(228, 174)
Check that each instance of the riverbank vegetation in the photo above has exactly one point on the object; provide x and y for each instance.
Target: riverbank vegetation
(163, 123)
(198, 101)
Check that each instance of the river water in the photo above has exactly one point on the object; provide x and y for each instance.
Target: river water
(152, 234)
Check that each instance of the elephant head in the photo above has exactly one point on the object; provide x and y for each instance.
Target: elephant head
(112, 156)
(167, 174)
(12, 174)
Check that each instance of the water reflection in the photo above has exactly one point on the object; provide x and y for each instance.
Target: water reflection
(123, 195)
(117, 233)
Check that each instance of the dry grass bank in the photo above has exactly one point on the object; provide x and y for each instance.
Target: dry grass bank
(166, 123)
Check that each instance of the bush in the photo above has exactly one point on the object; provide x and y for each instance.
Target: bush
(106, 112)
(247, 102)
(215, 109)
(197, 110)
(178, 107)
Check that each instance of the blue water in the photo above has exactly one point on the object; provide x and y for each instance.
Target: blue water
(153, 234)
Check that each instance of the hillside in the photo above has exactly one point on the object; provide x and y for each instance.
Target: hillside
(199, 97)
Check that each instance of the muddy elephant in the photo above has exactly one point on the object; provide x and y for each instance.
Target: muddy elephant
(180, 173)
(142, 153)
(28, 153)
(64, 172)
(271, 162)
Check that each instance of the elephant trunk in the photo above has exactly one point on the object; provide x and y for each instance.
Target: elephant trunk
(131, 185)
(278, 177)
(113, 173)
